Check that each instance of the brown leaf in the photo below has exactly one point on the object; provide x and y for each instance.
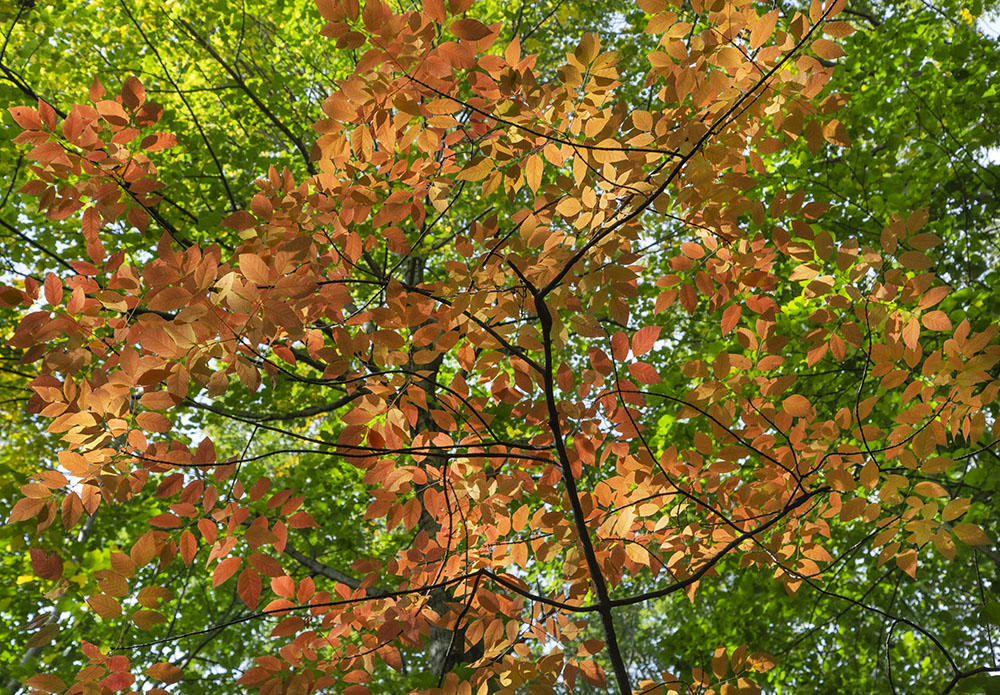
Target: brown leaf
(720, 662)
(133, 93)
(240, 220)
(147, 619)
(907, 561)
(105, 606)
(24, 509)
(45, 564)
(914, 260)
(693, 250)
(731, 317)
(469, 29)
(72, 510)
(117, 681)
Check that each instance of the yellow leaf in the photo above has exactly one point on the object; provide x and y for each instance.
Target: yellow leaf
(568, 206)
(476, 170)
(762, 29)
(533, 172)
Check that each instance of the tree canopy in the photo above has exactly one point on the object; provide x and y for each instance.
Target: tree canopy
(367, 347)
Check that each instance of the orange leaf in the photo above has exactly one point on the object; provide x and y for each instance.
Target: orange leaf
(188, 546)
(644, 373)
(730, 317)
(248, 586)
(165, 672)
(827, 49)
(283, 586)
(26, 117)
(158, 141)
(53, 289)
(469, 29)
(153, 422)
(225, 569)
(644, 339)
(288, 626)
(692, 250)
(435, 10)
(533, 172)
(936, 321)
(117, 681)
(112, 112)
(165, 520)
(796, 406)
(619, 346)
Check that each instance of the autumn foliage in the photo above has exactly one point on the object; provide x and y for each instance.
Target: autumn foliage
(478, 285)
